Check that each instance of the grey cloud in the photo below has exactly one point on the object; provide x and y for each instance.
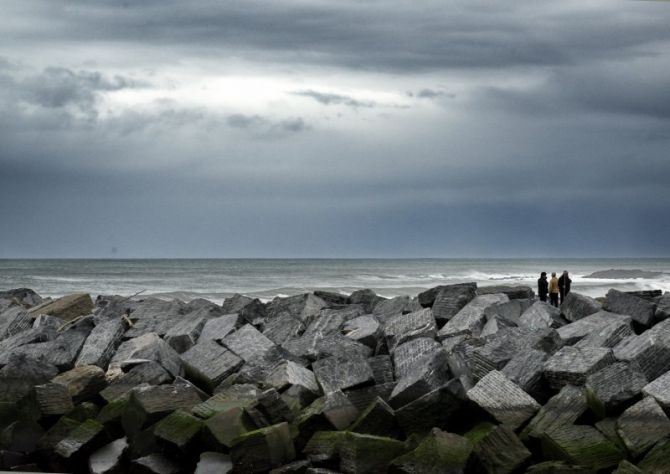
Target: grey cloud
(326, 98)
(431, 94)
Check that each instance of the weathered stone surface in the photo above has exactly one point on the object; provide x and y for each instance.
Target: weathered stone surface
(282, 328)
(332, 298)
(572, 365)
(525, 369)
(439, 407)
(21, 436)
(82, 382)
(657, 459)
(61, 351)
(575, 331)
(404, 327)
(339, 410)
(650, 351)
(208, 363)
(337, 374)
(382, 368)
(434, 373)
(377, 419)
(364, 329)
(147, 405)
(263, 449)
(660, 390)
(625, 467)
(503, 399)
(226, 425)
(82, 440)
(613, 387)
(663, 306)
(409, 357)
(148, 372)
(179, 430)
(470, 319)
(576, 306)
(641, 310)
(50, 399)
(185, 333)
(438, 452)
(153, 315)
(148, 347)
(519, 292)
(215, 329)
(643, 425)
(395, 306)
(581, 445)
(508, 313)
(23, 296)
(109, 458)
(496, 448)
(101, 343)
(291, 374)
(562, 409)
(247, 342)
(341, 346)
(67, 308)
(214, 463)
(13, 321)
(155, 463)
(21, 373)
(302, 307)
(541, 315)
(363, 396)
(368, 299)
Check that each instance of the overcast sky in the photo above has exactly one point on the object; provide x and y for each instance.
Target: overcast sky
(334, 128)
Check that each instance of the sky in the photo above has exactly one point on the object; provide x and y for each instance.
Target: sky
(334, 128)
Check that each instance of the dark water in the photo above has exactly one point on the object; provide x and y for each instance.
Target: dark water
(216, 279)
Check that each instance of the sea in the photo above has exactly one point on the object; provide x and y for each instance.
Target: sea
(217, 279)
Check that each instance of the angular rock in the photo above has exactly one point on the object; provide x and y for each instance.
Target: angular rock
(563, 409)
(450, 299)
(363, 396)
(48, 400)
(503, 399)
(263, 449)
(470, 319)
(302, 307)
(660, 390)
(650, 351)
(576, 306)
(613, 388)
(641, 310)
(13, 321)
(395, 306)
(382, 368)
(216, 329)
(366, 298)
(581, 445)
(334, 374)
(147, 405)
(340, 346)
(625, 467)
(404, 327)
(332, 298)
(83, 382)
(155, 464)
(21, 373)
(496, 449)
(237, 395)
(21, 436)
(432, 374)
(437, 452)
(248, 343)
(178, 431)
(101, 343)
(377, 419)
(226, 425)
(208, 363)
(109, 458)
(214, 463)
(364, 329)
(541, 315)
(24, 296)
(282, 328)
(153, 315)
(572, 365)
(81, 441)
(67, 308)
(148, 372)
(338, 410)
(184, 335)
(437, 408)
(643, 425)
(597, 322)
(663, 307)
(657, 459)
(525, 369)
(291, 374)
(148, 347)
(61, 351)
(519, 292)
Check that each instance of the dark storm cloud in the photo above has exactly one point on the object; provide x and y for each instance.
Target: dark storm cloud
(335, 99)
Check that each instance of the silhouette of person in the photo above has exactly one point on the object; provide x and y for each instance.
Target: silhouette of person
(542, 286)
(564, 285)
(553, 289)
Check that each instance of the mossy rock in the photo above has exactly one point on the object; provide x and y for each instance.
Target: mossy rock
(57, 432)
(496, 449)
(179, 429)
(557, 467)
(626, 467)
(220, 430)
(84, 411)
(112, 412)
(657, 459)
(581, 445)
(439, 452)
(263, 449)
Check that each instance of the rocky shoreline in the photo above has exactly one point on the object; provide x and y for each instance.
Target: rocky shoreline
(456, 379)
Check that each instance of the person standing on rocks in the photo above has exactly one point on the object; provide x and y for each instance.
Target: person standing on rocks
(543, 287)
(553, 290)
(564, 285)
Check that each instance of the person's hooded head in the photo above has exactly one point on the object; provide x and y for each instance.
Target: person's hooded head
(553, 274)
(543, 275)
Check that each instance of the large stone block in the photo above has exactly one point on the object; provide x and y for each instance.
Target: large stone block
(437, 452)
(14, 320)
(21, 373)
(562, 409)
(148, 347)
(248, 343)
(496, 449)
(581, 445)
(67, 308)
(660, 390)
(541, 315)
(83, 382)
(215, 329)
(594, 323)
(109, 458)
(412, 355)
(643, 425)
(338, 374)
(576, 306)
(404, 327)
(613, 387)
(641, 310)
(572, 365)
(503, 399)
(650, 351)
(434, 373)
(208, 363)
(185, 333)
(153, 315)
(471, 318)
(364, 329)
(263, 449)
(439, 407)
(101, 343)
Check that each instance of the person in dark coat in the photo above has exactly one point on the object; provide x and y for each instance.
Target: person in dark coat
(543, 286)
(564, 283)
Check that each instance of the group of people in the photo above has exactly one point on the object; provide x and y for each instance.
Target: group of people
(555, 288)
